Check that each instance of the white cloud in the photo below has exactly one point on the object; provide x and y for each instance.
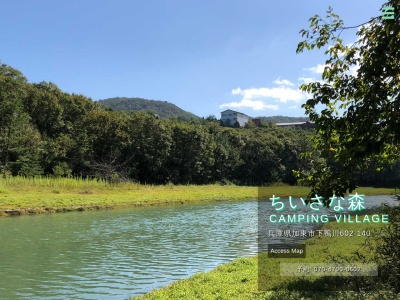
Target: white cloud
(285, 91)
(282, 94)
(251, 97)
(236, 91)
(319, 69)
(307, 80)
(247, 103)
(354, 69)
(283, 82)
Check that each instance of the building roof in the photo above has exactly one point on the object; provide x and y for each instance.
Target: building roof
(294, 123)
(235, 112)
(290, 124)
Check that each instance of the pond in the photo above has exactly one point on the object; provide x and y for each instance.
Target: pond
(116, 254)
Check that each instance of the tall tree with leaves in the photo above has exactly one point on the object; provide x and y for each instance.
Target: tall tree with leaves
(360, 120)
(152, 144)
(19, 140)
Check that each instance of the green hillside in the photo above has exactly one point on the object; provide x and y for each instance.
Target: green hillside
(162, 108)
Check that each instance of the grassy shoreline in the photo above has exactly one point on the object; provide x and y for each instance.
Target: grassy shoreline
(239, 279)
(20, 196)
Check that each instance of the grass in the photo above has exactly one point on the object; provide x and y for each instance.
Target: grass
(19, 195)
(239, 279)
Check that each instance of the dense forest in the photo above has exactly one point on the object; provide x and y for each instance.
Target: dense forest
(163, 109)
(45, 131)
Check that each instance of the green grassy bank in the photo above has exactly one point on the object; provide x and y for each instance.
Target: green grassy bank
(239, 279)
(20, 195)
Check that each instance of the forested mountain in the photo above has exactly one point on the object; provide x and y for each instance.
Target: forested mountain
(163, 109)
(283, 119)
(45, 131)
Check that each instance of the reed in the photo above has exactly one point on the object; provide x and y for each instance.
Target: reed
(22, 195)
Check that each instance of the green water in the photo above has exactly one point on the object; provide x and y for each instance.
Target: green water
(116, 254)
(119, 253)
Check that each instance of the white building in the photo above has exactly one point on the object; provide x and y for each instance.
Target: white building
(229, 117)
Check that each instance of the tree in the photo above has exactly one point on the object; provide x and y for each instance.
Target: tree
(192, 155)
(211, 118)
(44, 108)
(368, 127)
(250, 124)
(226, 154)
(19, 140)
(152, 145)
(261, 163)
(110, 144)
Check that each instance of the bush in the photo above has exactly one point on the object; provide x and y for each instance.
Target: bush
(385, 246)
(387, 251)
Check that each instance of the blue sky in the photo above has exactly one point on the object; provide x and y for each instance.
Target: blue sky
(203, 55)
